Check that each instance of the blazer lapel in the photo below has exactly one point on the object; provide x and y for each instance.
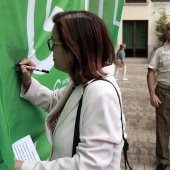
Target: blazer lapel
(70, 104)
(57, 109)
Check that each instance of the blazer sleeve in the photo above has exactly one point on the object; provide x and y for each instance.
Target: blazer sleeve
(100, 134)
(40, 95)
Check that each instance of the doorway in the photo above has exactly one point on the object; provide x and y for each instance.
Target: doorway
(135, 36)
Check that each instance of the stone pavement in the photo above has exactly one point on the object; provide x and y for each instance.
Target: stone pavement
(140, 118)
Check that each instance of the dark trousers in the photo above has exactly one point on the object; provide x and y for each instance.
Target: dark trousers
(163, 124)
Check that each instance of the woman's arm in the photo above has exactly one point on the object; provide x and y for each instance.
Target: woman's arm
(40, 95)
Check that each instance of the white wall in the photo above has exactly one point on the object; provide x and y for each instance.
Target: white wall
(144, 11)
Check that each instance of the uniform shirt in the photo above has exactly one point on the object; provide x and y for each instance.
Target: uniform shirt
(160, 62)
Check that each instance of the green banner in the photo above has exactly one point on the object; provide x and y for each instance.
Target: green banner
(25, 28)
(110, 11)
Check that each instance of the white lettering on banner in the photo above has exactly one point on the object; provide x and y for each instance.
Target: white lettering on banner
(59, 82)
(65, 81)
(46, 64)
(115, 22)
(100, 14)
(87, 5)
(55, 85)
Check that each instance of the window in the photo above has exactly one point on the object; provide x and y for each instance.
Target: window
(136, 1)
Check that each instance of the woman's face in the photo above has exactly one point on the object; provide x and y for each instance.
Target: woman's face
(62, 59)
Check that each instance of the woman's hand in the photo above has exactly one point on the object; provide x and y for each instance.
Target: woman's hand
(18, 165)
(26, 73)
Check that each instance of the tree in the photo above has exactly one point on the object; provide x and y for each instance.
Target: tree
(160, 28)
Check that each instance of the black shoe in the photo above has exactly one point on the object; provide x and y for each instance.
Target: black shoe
(161, 167)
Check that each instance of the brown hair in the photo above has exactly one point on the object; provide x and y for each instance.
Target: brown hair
(122, 46)
(85, 36)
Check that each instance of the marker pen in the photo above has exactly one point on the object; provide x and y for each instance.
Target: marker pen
(33, 68)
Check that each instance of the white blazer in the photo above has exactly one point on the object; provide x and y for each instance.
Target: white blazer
(100, 125)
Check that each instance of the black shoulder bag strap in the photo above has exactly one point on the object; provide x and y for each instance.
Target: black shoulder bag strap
(76, 139)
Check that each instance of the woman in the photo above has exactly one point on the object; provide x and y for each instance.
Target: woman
(82, 48)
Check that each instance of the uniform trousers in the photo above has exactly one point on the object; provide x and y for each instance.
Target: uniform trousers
(163, 123)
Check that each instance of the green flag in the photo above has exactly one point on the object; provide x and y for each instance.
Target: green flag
(110, 11)
(25, 28)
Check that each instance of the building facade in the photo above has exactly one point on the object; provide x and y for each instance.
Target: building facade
(137, 28)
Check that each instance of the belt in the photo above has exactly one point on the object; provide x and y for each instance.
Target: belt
(163, 86)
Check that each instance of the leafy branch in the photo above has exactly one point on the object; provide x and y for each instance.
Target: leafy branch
(160, 28)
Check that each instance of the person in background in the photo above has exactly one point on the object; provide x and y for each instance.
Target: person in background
(81, 47)
(159, 75)
(120, 63)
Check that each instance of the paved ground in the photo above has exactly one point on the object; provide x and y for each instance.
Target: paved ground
(140, 118)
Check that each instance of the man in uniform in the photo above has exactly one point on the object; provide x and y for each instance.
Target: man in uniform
(159, 75)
